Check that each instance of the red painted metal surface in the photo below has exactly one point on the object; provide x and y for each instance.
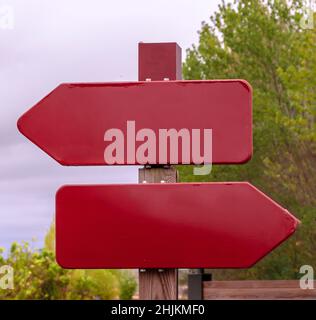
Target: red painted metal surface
(209, 225)
(69, 124)
(157, 61)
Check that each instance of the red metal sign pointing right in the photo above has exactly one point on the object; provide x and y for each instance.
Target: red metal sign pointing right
(209, 225)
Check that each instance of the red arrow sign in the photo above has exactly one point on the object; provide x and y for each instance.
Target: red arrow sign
(72, 123)
(209, 225)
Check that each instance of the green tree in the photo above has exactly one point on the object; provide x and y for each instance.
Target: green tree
(38, 276)
(262, 42)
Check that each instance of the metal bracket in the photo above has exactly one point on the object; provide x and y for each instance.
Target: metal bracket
(152, 166)
(145, 270)
(196, 277)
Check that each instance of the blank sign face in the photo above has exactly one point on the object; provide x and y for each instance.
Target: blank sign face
(207, 225)
(78, 124)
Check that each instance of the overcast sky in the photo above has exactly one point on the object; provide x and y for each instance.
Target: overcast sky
(46, 42)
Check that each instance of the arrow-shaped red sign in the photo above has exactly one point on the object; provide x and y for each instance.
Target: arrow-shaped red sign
(72, 123)
(209, 225)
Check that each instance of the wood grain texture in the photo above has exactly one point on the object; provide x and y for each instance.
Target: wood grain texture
(252, 290)
(158, 284)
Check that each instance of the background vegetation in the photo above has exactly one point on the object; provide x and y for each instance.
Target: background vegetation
(264, 43)
(38, 276)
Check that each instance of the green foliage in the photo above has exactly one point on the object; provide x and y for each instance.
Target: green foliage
(126, 283)
(262, 42)
(96, 284)
(37, 276)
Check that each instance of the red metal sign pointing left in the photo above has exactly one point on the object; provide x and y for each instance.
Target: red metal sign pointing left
(70, 123)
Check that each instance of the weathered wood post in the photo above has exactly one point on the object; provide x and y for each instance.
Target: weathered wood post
(156, 62)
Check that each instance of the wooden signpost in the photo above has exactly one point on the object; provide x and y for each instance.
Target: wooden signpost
(159, 62)
(158, 225)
